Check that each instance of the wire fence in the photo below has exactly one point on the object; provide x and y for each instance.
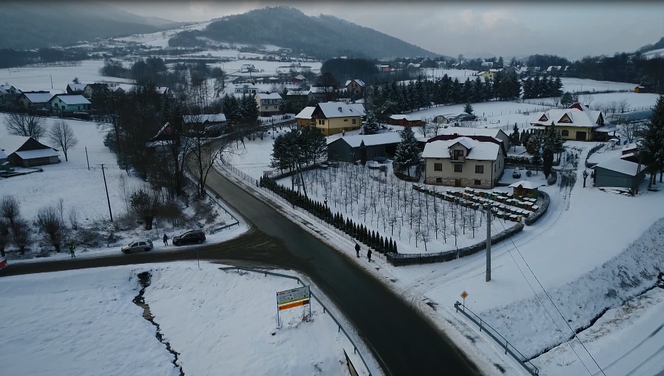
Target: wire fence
(500, 340)
(340, 327)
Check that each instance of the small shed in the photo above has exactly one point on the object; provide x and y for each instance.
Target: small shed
(640, 89)
(405, 120)
(619, 172)
(524, 188)
(347, 148)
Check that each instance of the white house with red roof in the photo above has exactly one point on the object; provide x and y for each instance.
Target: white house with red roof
(578, 122)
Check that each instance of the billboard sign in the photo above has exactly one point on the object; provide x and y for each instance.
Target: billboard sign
(293, 298)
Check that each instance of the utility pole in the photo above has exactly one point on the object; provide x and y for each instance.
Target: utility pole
(107, 197)
(488, 243)
(86, 157)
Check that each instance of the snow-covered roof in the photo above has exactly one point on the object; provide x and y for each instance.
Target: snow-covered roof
(621, 166)
(479, 151)
(523, 184)
(38, 97)
(338, 109)
(202, 118)
(359, 82)
(7, 89)
(465, 131)
(39, 153)
(268, 96)
(578, 118)
(12, 143)
(406, 117)
(359, 107)
(72, 99)
(2, 155)
(305, 113)
(161, 89)
(321, 89)
(297, 92)
(124, 87)
(370, 140)
(76, 87)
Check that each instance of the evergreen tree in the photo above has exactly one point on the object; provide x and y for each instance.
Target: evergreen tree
(408, 152)
(566, 99)
(528, 89)
(548, 149)
(363, 153)
(468, 108)
(651, 151)
(515, 137)
(371, 123)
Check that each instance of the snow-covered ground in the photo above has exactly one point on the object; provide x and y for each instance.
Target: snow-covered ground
(635, 101)
(568, 253)
(582, 84)
(83, 321)
(83, 191)
(39, 78)
(160, 39)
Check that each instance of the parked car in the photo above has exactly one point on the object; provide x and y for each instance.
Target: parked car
(516, 173)
(190, 237)
(137, 246)
(465, 117)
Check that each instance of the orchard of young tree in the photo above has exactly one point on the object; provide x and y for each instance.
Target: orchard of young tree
(393, 209)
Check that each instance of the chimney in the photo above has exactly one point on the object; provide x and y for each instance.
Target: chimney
(339, 108)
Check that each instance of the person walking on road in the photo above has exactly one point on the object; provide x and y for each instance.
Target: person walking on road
(72, 248)
(357, 250)
(369, 254)
(165, 240)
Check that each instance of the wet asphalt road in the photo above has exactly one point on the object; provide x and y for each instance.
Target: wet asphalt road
(402, 341)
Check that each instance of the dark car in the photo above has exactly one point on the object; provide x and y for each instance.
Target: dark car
(190, 237)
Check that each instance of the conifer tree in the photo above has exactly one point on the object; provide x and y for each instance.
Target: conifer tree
(408, 152)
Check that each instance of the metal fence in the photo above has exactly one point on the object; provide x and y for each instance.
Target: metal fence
(500, 340)
(340, 328)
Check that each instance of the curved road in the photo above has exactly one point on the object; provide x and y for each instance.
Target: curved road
(401, 340)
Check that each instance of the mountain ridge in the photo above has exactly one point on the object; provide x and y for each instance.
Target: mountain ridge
(323, 36)
(39, 24)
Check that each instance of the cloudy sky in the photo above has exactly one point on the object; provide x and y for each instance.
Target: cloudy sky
(564, 28)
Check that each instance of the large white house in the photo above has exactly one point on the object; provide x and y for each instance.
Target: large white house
(464, 161)
(578, 123)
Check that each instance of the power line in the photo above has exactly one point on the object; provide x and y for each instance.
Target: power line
(556, 307)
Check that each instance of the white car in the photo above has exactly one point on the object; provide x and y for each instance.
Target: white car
(138, 246)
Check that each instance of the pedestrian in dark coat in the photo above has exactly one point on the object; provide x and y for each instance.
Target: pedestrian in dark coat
(165, 239)
(357, 250)
(369, 254)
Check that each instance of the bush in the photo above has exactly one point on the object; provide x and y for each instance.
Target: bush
(517, 161)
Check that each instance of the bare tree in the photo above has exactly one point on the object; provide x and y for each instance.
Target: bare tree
(204, 155)
(73, 218)
(21, 235)
(622, 105)
(27, 125)
(4, 236)
(146, 204)
(49, 221)
(9, 208)
(62, 135)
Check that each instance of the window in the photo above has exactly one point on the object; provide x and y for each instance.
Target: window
(565, 133)
(439, 180)
(458, 154)
(354, 121)
(477, 182)
(458, 168)
(346, 120)
(438, 167)
(479, 169)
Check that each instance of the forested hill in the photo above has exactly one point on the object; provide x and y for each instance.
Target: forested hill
(323, 36)
(38, 24)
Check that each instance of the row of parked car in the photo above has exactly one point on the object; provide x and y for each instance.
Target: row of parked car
(189, 237)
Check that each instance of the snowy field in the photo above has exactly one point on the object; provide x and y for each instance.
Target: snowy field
(215, 320)
(83, 190)
(636, 101)
(562, 254)
(160, 39)
(581, 84)
(39, 78)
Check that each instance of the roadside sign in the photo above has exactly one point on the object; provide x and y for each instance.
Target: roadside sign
(292, 298)
(464, 295)
(292, 295)
(3, 263)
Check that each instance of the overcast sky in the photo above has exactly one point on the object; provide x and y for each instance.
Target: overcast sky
(570, 29)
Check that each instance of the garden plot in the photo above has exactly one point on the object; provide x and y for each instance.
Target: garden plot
(419, 222)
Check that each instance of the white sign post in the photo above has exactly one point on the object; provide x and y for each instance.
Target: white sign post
(292, 298)
(464, 295)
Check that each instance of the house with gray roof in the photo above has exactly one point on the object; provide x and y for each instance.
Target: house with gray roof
(35, 100)
(347, 148)
(64, 103)
(27, 152)
(619, 172)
